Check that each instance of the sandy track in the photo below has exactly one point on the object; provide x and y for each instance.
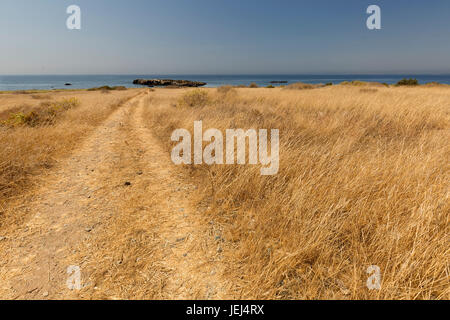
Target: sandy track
(118, 209)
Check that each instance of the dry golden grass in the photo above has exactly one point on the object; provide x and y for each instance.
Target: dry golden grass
(302, 86)
(29, 149)
(363, 180)
(47, 113)
(194, 98)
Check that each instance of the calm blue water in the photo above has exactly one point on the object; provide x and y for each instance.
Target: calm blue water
(90, 81)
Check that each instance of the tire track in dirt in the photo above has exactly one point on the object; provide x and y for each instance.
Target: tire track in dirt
(62, 214)
(191, 249)
(118, 210)
(160, 247)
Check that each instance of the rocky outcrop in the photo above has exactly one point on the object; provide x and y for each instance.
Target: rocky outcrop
(282, 81)
(168, 82)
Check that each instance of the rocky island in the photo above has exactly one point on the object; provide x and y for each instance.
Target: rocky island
(168, 82)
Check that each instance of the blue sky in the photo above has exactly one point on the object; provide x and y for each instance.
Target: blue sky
(224, 37)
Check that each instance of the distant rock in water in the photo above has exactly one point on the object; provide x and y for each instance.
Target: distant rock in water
(283, 81)
(168, 82)
(68, 84)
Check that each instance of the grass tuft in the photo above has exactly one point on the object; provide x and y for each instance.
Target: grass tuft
(194, 98)
(45, 114)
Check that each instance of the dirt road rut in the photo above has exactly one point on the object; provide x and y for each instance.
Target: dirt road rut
(121, 212)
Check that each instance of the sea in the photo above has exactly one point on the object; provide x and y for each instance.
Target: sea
(48, 82)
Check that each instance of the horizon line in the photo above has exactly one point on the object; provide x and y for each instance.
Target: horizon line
(229, 74)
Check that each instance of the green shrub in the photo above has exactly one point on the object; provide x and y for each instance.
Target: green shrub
(408, 82)
(253, 85)
(270, 87)
(45, 114)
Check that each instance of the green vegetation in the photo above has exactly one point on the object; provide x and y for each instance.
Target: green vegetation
(408, 82)
(45, 114)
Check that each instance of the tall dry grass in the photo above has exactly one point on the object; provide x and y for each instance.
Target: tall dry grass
(363, 180)
(29, 147)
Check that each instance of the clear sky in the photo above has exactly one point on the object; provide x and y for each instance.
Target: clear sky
(224, 37)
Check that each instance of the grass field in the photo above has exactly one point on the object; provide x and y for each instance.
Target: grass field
(363, 180)
(27, 150)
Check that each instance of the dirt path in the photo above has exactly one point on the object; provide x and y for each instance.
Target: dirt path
(118, 210)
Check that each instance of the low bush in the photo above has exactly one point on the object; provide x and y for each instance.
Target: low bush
(226, 92)
(359, 83)
(408, 82)
(225, 89)
(194, 98)
(45, 114)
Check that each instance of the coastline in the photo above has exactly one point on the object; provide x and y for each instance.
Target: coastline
(58, 82)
